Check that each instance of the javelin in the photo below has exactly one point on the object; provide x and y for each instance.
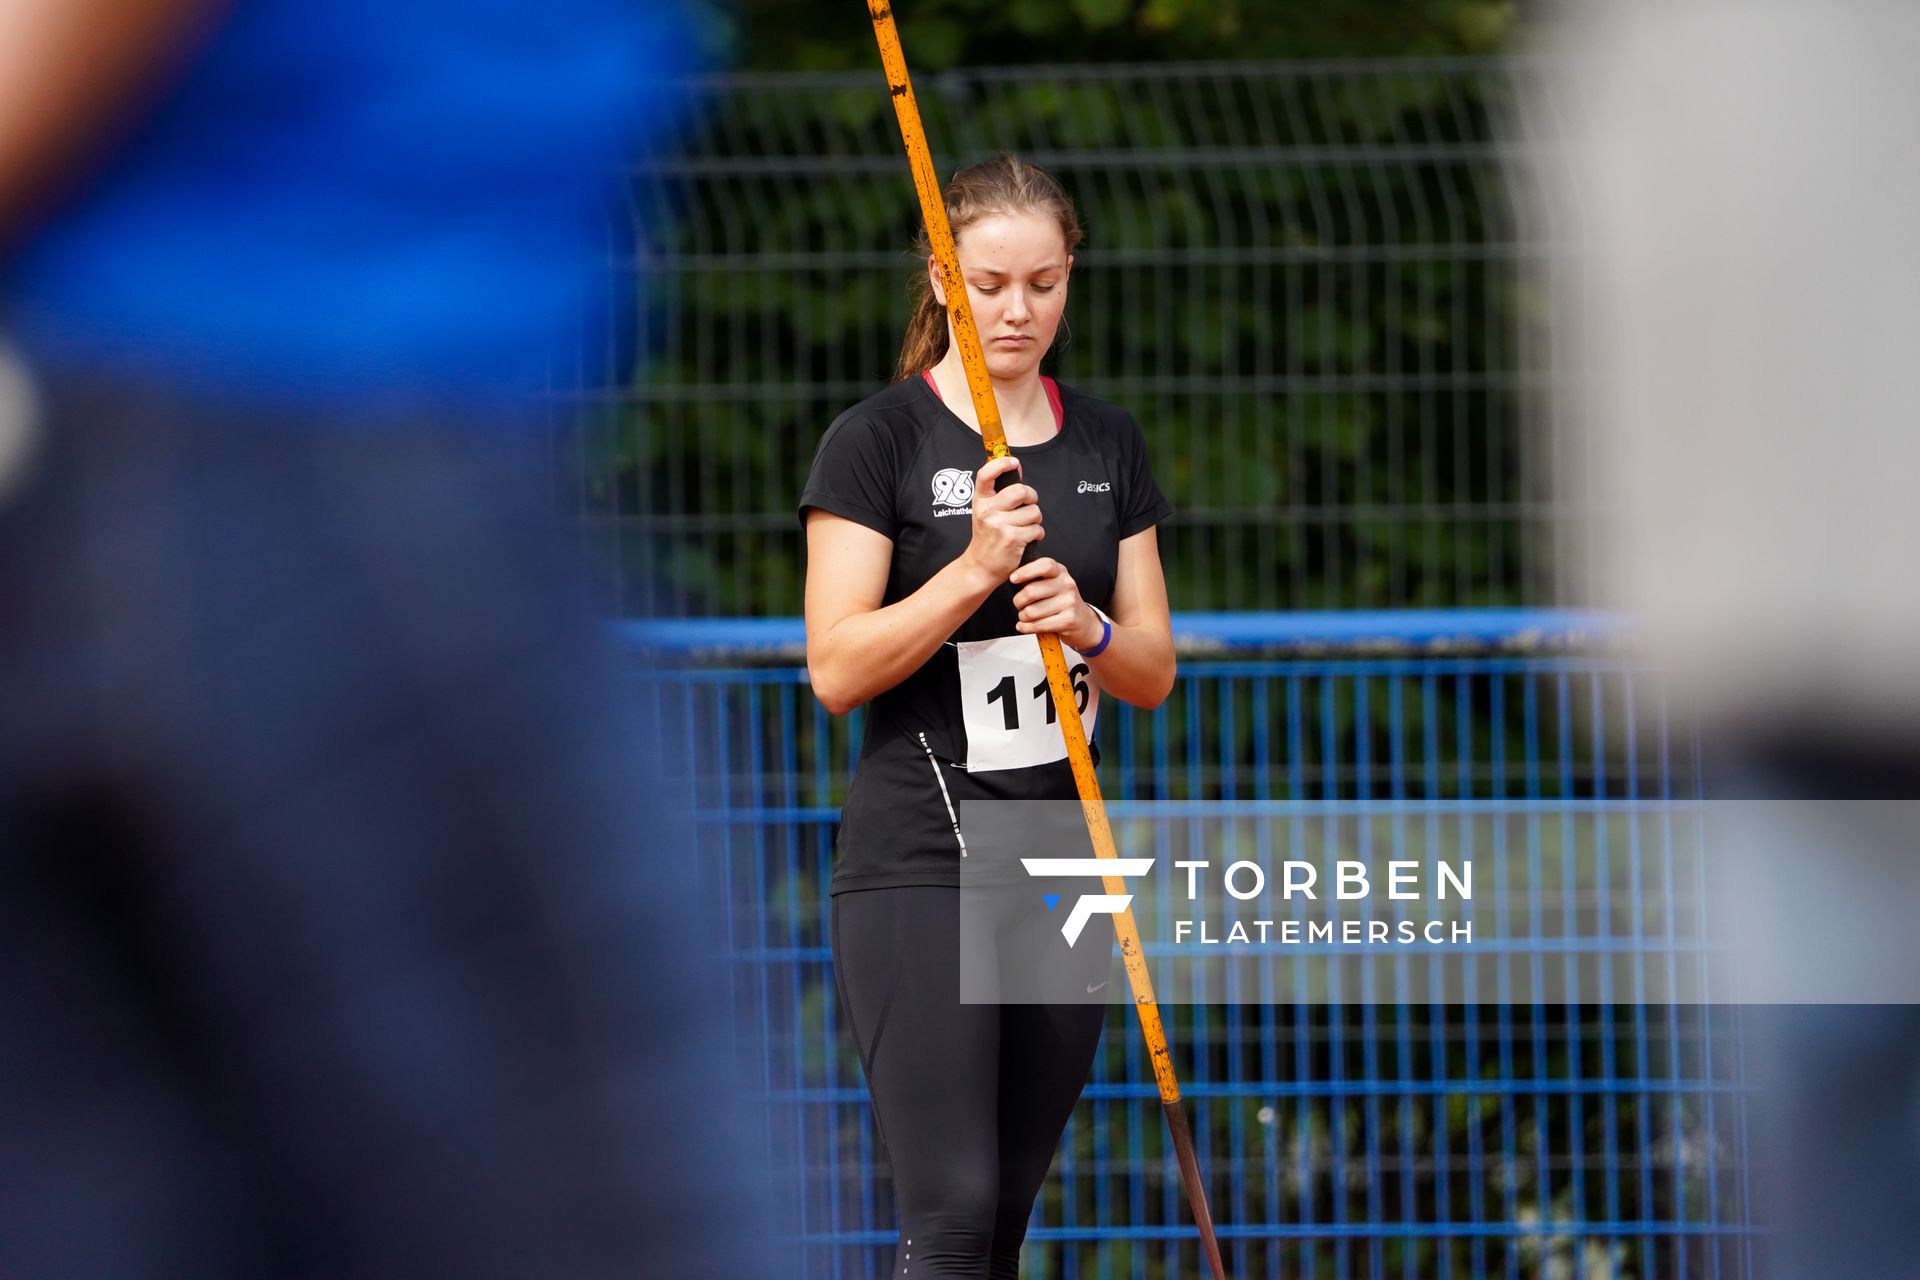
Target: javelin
(1066, 706)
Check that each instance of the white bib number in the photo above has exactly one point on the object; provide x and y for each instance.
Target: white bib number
(1007, 707)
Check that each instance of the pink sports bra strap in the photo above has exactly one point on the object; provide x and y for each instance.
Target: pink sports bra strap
(1052, 389)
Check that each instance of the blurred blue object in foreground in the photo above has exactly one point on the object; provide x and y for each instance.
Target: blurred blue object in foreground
(350, 927)
(355, 199)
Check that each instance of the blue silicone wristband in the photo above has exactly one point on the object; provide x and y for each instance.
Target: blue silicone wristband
(1106, 636)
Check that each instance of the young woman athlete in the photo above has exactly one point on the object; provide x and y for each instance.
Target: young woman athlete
(917, 602)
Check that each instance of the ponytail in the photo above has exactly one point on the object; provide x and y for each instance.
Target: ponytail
(926, 338)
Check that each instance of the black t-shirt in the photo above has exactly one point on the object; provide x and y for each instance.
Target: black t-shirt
(975, 721)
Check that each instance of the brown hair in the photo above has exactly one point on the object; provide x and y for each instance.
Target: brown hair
(1004, 184)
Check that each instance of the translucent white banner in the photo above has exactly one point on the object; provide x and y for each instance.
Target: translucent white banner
(1762, 902)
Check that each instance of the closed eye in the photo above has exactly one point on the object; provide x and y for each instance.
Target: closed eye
(994, 288)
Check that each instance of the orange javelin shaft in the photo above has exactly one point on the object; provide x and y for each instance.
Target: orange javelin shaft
(934, 209)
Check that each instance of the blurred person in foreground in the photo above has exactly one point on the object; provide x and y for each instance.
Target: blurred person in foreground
(348, 928)
(1742, 177)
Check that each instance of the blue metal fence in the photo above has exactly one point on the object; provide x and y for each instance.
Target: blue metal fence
(1394, 1138)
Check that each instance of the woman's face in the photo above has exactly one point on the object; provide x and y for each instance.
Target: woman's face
(1015, 266)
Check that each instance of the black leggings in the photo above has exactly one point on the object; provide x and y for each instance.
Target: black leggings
(970, 1099)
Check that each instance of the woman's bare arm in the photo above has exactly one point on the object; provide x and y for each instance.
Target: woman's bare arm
(1138, 663)
(856, 648)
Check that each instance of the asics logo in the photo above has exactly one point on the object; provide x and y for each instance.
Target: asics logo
(1088, 486)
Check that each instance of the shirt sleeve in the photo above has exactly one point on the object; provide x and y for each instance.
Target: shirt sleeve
(1142, 505)
(854, 474)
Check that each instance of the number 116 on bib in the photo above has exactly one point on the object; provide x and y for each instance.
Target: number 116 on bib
(1008, 710)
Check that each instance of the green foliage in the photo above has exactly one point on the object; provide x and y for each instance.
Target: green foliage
(787, 35)
(1304, 282)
